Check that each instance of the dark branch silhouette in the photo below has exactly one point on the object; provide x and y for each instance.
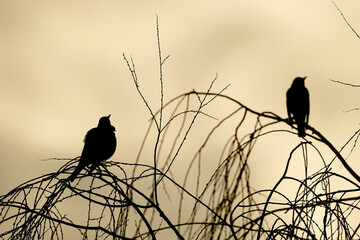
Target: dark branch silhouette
(345, 83)
(346, 21)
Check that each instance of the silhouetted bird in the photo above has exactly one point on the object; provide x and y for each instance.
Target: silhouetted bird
(298, 106)
(99, 145)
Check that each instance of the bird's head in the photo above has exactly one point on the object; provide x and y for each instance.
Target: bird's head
(299, 81)
(104, 122)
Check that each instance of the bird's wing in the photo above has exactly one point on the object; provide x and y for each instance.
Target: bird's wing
(306, 105)
(90, 143)
(85, 158)
(289, 103)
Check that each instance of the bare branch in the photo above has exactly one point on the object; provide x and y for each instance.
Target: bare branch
(135, 79)
(344, 83)
(350, 110)
(342, 15)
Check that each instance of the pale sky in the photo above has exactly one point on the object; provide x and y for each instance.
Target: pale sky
(61, 68)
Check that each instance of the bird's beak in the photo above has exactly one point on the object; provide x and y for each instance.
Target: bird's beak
(305, 77)
(109, 116)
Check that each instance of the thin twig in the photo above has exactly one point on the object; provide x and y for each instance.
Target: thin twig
(342, 15)
(344, 83)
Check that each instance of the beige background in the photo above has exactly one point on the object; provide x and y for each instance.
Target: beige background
(61, 68)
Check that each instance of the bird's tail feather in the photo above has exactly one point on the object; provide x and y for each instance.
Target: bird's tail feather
(75, 173)
(301, 129)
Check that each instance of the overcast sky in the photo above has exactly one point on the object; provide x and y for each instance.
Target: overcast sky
(61, 68)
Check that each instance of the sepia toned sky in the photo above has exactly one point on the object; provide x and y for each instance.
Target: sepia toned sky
(61, 68)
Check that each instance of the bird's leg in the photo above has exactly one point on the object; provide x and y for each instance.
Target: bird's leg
(98, 169)
(290, 121)
(92, 168)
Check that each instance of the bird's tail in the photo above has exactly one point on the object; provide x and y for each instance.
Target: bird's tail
(301, 129)
(75, 173)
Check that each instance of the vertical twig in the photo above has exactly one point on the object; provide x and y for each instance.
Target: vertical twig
(156, 148)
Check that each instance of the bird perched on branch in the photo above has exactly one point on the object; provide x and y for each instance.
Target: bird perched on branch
(99, 145)
(298, 105)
